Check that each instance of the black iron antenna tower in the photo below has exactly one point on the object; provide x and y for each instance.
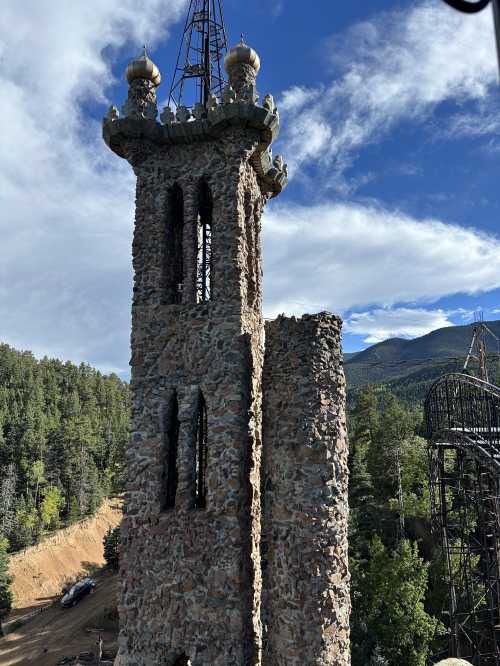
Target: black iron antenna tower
(199, 64)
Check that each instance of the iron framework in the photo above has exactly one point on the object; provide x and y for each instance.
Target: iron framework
(463, 429)
(204, 258)
(203, 46)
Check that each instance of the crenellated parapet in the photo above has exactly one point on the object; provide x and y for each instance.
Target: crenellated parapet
(238, 107)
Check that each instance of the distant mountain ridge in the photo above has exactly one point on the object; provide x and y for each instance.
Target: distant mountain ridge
(409, 366)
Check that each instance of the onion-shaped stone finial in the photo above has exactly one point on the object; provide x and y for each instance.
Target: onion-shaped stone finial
(242, 54)
(143, 67)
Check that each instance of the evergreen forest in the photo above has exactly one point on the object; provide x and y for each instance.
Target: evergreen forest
(397, 594)
(63, 432)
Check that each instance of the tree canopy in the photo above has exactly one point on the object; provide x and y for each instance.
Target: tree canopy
(63, 433)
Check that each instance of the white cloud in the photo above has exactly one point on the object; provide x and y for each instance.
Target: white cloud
(399, 66)
(381, 324)
(339, 256)
(277, 7)
(482, 125)
(483, 122)
(66, 202)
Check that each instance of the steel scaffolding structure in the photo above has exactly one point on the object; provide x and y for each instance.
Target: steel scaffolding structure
(463, 428)
(201, 55)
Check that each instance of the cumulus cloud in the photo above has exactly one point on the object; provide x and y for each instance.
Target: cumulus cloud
(67, 203)
(380, 324)
(399, 66)
(345, 256)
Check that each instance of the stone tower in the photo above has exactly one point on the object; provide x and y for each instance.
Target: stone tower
(191, 571)
(191, 581)
(304, 479)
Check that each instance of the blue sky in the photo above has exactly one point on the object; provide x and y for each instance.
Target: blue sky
(390, 124)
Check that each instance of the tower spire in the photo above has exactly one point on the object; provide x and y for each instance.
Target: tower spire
(199, 69)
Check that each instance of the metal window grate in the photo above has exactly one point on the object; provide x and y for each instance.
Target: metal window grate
(204, 255)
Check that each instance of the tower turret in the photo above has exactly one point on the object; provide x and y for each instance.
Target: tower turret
(143, 78)
(191, 579)
(242, 63)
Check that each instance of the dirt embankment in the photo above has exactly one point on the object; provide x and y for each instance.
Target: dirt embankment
(40, 631)
(40, 572)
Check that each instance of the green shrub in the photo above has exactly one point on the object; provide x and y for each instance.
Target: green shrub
(111, 543)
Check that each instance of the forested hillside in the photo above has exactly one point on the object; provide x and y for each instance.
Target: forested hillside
(396, 566)
(63, 432)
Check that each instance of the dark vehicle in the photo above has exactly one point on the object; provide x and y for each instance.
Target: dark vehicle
(77, 592)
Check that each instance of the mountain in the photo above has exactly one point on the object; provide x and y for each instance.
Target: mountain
(408, 367)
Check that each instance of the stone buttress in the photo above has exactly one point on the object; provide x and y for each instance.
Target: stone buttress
(190, 566)
(304, 492)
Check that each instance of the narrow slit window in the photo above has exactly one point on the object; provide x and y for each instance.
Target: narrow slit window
(201, 455)
(171, 443)
(251, 250)
(204, 258)
(182, 661)
(174, 260)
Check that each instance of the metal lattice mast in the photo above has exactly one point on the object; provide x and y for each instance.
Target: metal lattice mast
(199, 68)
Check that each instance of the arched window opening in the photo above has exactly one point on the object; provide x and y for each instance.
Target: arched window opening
(201, 455)
(174, 260)
(251, 249)
(204, 258)
(171, 445)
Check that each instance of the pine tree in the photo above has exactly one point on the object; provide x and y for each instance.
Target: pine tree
(395, 586)
(111, 543)
(378, 659)
(5, 583)
(7, 500)
(73, 511)
(25, 531)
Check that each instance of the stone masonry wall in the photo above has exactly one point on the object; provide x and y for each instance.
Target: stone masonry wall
(305, 507)
(191, 582)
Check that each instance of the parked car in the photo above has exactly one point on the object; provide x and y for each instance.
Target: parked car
(77, 592)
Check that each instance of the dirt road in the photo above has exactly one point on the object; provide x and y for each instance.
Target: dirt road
(57, 632)
(39, 574)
